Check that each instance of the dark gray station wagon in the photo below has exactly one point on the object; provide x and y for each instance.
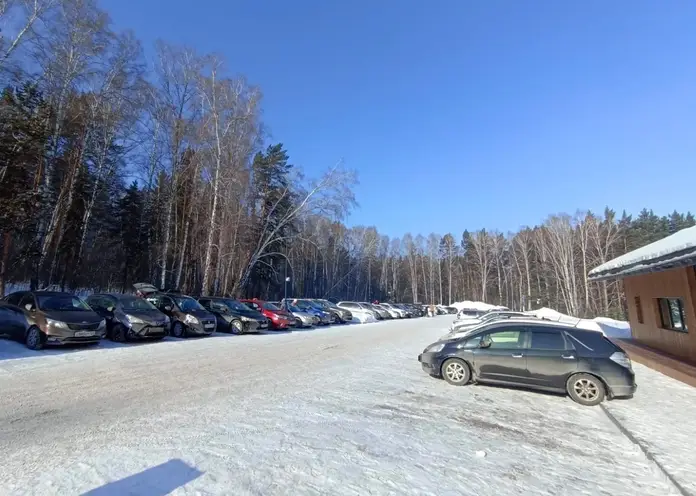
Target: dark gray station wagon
(535, 354)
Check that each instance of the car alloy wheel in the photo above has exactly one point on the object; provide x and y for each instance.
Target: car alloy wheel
(586, 389)
(237, 327)
(178, 330)
(456, 372)
(34, 339)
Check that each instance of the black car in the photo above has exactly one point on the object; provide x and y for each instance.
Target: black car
(187, 316)
(234, 316)
(13, 323)
(537, 355)
(129, 317)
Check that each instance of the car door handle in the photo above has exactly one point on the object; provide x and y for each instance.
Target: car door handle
(517, 355)
(568, 357)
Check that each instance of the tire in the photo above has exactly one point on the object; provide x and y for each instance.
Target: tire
(178, 330)
(586, 389)
(456, 372)
(118, 334)
(34, 339)
(236, 327)
(334, 319)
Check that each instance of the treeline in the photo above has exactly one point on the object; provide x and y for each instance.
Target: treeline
(545, 265)
(116, 169)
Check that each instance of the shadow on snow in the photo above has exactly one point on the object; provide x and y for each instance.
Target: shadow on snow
(155, 481)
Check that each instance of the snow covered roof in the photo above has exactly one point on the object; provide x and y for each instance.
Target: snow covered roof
(677, 250)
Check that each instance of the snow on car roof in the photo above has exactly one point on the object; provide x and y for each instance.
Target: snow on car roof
(677, 250)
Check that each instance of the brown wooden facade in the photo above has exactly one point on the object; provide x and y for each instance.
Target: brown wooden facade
(643, 294)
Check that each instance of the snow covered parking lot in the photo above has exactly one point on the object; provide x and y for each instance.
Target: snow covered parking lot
(341, 411)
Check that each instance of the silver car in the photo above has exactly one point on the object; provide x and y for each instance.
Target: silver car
(304, 319)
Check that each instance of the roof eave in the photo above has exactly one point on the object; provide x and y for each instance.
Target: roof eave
(684, 258)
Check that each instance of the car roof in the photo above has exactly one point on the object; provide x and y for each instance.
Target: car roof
(530, 321)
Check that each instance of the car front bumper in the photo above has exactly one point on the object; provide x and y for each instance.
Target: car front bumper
(199, 329)
(67, 340)
(255, 326)
(431, 363)
(148, 331)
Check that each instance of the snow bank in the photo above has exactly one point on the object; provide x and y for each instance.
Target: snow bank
(475, 305)
(609, 327)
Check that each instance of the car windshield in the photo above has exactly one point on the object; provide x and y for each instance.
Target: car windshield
(293, 308)
(304, 305)
(234, 305)
(270, 306)
(133, 303)
(62, 303)
(187, 304)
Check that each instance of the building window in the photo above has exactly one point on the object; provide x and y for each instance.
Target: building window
(672, 315)
(639, 309)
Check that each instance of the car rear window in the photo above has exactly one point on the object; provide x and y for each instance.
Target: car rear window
(593, 340)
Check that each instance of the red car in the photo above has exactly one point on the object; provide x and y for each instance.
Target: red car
(279, 318)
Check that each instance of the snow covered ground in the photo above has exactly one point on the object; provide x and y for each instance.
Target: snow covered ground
(341, 411)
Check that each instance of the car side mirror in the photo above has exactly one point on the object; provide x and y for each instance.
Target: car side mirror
(485, 343)
(29, 307)
(167, 308)
(110, 309)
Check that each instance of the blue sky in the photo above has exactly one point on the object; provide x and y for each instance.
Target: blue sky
(463, 114)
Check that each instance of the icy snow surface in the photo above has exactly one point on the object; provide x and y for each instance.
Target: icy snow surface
(679, 241)
(340, 411)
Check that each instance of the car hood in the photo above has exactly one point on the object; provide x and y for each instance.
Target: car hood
(146, 315)
(73, 317)
(250, 314)
(303, 315)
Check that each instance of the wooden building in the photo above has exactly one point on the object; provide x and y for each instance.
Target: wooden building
(660, 285)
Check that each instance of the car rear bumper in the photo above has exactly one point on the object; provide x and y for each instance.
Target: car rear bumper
(622, 390)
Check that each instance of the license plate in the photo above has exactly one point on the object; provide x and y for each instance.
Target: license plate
(84, 334)
(209, 326)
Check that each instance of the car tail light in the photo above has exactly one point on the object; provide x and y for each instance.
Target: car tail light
(622, 359)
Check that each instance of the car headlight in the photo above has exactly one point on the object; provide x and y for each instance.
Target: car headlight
(134, 320)
(102, 325)
(434, 348)
(190, 319)
(166, 319)
(247, 319)
(57, 324)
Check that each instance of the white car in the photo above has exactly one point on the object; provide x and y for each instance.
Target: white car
(462, 325)
(400, 313)
(359, 313)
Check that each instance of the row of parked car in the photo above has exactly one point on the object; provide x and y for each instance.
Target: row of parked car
(40, 318)
(512, 348)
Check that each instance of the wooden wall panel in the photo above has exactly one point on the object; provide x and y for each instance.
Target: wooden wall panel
(675, 283)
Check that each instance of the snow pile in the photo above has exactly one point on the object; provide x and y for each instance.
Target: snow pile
(609, 327)
(475, 305)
